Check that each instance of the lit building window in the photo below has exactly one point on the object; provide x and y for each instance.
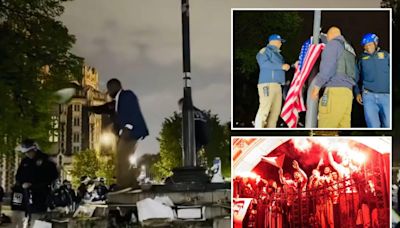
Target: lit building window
(77, 108)
(53, 134)
(76, 149)
(76, 121)
(76, 138)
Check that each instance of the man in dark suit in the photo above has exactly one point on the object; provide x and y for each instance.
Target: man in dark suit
(129, 125)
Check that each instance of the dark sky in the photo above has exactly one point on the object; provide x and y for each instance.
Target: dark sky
(354, 24)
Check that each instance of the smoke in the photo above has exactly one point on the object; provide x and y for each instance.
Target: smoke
(302, 145)
(310, 150)
(306, 151)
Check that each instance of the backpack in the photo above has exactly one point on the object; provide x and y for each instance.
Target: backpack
(60, 198)
(347, 61)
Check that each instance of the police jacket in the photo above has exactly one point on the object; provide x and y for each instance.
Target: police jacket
(270, 61)
(373, 72)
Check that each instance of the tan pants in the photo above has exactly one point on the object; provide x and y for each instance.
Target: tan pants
(126, 175)
(335, 108)
(270, 105)
(18, 217)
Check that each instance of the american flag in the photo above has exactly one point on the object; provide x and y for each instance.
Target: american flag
(294, 103)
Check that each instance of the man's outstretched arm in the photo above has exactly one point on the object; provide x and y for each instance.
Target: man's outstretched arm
(106, 108)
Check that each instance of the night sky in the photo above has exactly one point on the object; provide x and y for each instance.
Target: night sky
(354, 24)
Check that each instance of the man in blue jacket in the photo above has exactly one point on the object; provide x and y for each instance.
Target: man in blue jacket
(271, 77)
(373, 78)
(337, 74)
(132, 127)
(129, 125)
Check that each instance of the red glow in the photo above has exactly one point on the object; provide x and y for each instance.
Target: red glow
(251, 175)
(303, 145)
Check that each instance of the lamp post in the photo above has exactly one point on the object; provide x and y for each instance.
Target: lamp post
(189, 149)
(189, 177)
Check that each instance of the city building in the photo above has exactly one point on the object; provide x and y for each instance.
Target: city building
(79, 130)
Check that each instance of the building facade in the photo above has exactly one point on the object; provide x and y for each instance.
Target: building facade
(79, 129)
(8, 167)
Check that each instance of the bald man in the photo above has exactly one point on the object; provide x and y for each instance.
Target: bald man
(337, 74)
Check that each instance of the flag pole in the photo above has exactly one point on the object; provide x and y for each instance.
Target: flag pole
(188, 149)
(312, 105)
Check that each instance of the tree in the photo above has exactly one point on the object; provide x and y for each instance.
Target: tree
(84, 163)
(107, 168)
(250, 32)
(35, 60)
(171, 145)
(220, 144)
(90, 163)
(149, 160)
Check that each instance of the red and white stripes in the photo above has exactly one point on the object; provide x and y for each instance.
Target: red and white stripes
(294, 103)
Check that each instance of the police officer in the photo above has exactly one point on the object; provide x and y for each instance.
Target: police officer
(373, 78)
(35, 175)
(271, 77)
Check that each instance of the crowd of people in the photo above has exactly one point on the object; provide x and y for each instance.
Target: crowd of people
(334, 195)
(342, 75)
(38, 187)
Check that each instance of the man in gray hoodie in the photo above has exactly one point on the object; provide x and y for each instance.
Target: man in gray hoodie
(337, 74)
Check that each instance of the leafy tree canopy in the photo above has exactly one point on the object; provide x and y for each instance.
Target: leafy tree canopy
(35, 60)
(251, 30)
(171, 145)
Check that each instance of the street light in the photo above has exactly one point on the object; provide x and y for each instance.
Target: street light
(107, 139)
(132, 161)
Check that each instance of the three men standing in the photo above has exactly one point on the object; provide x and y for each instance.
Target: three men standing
(339, 74)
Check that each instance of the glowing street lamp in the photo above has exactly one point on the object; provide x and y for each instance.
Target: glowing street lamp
(132, 160)
(107, 139)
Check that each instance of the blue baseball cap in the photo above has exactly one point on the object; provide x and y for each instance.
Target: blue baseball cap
(276, 37)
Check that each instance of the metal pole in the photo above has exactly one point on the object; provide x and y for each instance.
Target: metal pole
(188, 150)
(312, 105)
(317, 26)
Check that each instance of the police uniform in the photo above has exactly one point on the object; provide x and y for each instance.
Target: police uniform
(373, 75)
